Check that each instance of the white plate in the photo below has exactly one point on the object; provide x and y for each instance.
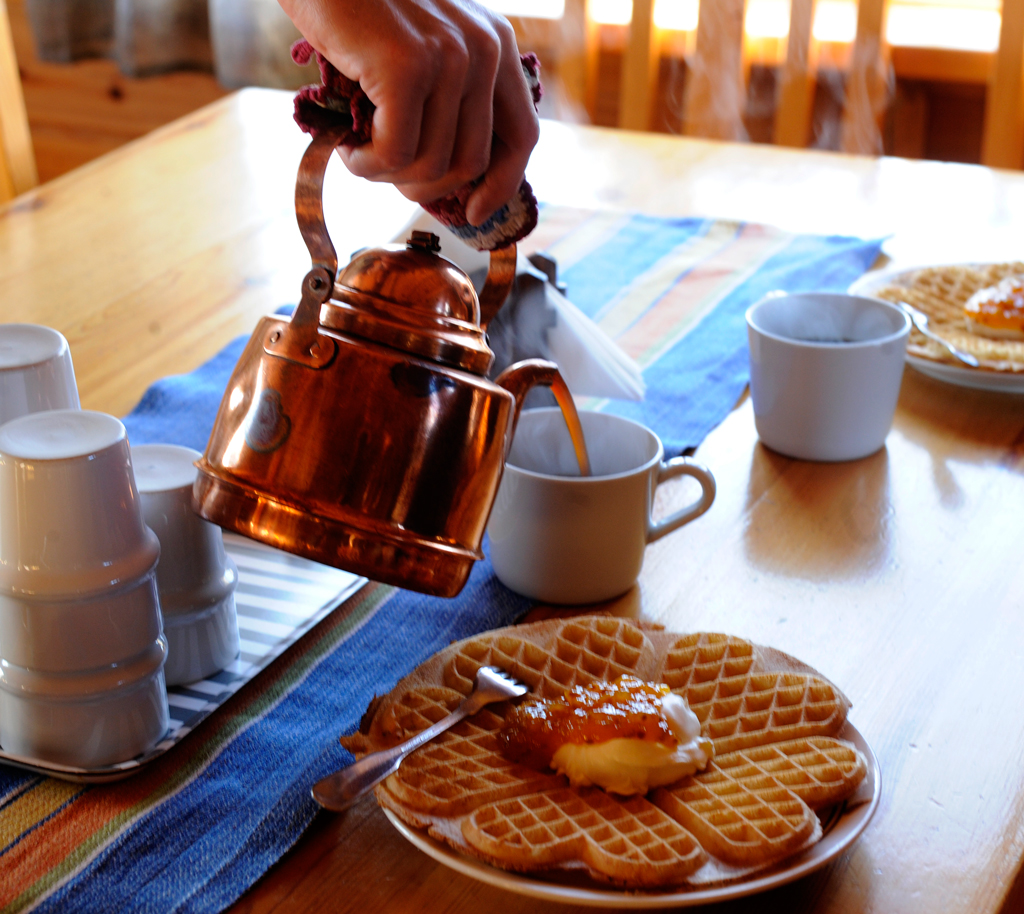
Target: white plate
(842, 826)
(1010, 382)
(978, 378)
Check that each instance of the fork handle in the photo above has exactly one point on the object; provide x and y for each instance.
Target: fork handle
(340, 790)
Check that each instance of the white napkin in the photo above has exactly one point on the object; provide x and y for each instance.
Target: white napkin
(543, 323)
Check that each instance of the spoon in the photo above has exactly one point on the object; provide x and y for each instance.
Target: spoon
(920, 320)
(340, 790)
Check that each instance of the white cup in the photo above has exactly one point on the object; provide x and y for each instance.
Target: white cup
(560, 537)
(195, 578)
(825, 372)
(81, 678)
(36, 373)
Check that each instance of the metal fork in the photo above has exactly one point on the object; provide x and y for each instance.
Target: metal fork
(920, 320)
(340, 790)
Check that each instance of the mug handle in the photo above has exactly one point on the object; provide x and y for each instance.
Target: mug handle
(682, 466)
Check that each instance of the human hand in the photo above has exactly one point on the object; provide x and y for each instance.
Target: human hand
(452, 103)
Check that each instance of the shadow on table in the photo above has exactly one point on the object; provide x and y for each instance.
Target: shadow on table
(628, 606)
(959, 424)
(818, 521)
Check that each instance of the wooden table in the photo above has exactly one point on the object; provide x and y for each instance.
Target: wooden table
(898, 576)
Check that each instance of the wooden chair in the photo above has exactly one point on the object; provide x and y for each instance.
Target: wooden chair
(715, 91)
(715, 95)
(1002, 143)
(17, 163)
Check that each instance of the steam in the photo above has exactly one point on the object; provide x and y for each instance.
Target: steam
(715, 95)
(709, 97)
(870, 85)
(542, 444)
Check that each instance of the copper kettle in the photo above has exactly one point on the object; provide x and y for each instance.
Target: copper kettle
(364, 433)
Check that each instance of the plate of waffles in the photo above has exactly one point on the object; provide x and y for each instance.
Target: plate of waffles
(942, 291)
(791, 786)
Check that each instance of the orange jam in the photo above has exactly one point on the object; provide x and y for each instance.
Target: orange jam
(627, 708)
(1000, 307)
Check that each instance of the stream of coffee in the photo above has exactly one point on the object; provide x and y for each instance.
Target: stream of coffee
(572, 419)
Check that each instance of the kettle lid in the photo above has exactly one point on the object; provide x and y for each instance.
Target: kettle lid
(410, 298)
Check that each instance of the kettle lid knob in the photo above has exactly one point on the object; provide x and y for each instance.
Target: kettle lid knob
(424, 241)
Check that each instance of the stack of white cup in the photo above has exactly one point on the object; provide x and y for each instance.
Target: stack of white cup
(83, 637)
(81, 640)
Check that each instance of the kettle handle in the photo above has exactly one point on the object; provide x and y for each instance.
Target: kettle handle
(500, 275)
(301, 341)
(309, 197)
(309, 213)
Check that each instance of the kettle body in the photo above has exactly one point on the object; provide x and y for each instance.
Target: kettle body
(381, 464)
(363, 433)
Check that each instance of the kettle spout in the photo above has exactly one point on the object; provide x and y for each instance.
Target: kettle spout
(518, 379)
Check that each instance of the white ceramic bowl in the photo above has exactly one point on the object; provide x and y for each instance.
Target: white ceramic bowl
(195, 577)
(81, 641)
(36, 372)
(825, 373)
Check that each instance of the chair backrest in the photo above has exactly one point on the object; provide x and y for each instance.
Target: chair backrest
(715, 94)
(1002, 144)
(639, 80)
(795, 98)
(17, 163)
(715, 87)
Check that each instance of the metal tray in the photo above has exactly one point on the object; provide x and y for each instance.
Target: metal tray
(279, 598)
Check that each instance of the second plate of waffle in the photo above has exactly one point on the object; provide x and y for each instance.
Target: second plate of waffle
(787, 769)
(941, 291)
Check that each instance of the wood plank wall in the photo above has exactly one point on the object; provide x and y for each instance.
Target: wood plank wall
(79, 111)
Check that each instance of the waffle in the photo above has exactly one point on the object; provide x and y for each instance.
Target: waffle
(941, 293)
(772, 721)
(577, 652)
(752, 806)
(630, 842)
(462, 768)
(739, 705)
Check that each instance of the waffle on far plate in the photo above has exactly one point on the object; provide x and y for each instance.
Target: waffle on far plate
(774, 723)
(941, 292)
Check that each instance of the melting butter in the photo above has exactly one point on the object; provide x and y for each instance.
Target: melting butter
(634, 766)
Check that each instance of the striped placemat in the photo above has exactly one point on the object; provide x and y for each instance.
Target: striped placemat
(193, 829)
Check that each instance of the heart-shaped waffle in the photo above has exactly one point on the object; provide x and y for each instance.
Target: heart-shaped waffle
(578, 651)
(740, 706)
(627, 841)
(769, 717)
(462, 768)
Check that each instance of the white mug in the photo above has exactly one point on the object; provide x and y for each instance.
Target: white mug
(559, 537)
(825, 373)
(36, 373)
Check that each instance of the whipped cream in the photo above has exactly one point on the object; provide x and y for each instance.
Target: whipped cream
(634, 766)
